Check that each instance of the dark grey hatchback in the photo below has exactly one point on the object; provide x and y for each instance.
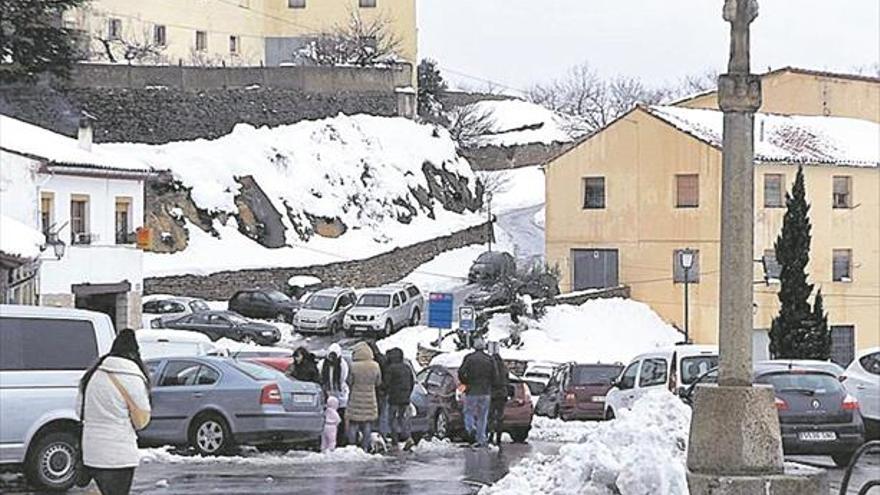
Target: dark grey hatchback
(816, 415)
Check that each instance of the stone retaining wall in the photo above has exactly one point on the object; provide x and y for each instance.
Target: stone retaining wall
(370, 272)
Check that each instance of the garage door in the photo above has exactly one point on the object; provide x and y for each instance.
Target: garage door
(594, 268)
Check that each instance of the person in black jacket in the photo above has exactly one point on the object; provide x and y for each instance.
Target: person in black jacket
(398, 386)
(304, 367)
(500, 391)
(477, 373)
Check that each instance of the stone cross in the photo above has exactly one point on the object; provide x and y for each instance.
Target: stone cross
(739, 13)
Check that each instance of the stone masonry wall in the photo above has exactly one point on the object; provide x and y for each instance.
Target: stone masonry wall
(161, 104)
(370, 272)
(505, 157)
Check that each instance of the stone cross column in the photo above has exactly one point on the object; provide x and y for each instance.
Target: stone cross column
(739, 97)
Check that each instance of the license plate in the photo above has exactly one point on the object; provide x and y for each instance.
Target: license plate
(360, 328)
(303, 398)
(598, 398)
(817, 436)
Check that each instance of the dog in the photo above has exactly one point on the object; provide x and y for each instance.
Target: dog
(378, 444)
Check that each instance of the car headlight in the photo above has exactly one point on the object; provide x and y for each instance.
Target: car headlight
(322, 320)
(156, 323)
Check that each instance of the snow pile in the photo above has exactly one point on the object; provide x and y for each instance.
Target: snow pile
(18, 239)
(517, 122)
(360, 171)
(643, 452)
(599, 330)
(349, 454)
(788, 138)
(408, 339)
(557, 430)
(33, 140)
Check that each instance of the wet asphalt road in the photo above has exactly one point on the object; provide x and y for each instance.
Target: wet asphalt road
(450, 471)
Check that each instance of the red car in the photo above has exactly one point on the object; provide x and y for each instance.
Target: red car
(577, 391)
(445, 401)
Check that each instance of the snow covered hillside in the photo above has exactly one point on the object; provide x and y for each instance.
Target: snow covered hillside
(328, 190)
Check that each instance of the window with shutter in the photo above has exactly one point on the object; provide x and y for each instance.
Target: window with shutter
(842, 196)
(841, 265)
(687, 191)
(773, 193)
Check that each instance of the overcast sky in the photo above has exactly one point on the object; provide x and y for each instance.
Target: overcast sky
(520, 42)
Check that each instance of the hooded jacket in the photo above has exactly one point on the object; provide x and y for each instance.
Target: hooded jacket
(398, 378)
(364, 377)
(478, 372)
(328, 380)
(109, 440)
(306, 370)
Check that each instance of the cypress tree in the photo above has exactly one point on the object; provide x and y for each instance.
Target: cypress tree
(792, 247)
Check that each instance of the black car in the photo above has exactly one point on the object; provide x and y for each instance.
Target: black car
(490, 296)
(226, 324)
(492, 266)
(267, 304)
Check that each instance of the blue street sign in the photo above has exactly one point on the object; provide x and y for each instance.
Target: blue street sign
(466, 318)
(440, 310)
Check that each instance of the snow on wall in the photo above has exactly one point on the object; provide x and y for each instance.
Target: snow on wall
(788, 138)
(521, 122)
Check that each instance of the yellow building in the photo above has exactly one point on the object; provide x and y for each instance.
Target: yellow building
(624, 202)
(233, 32)
(791, 90)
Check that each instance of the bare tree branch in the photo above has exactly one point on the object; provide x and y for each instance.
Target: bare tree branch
(361, 43)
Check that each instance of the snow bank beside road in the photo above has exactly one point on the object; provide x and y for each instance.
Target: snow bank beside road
(643, 452)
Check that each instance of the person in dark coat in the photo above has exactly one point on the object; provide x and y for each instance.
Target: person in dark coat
(304, 366)
(500, 391)
(381, 395)
(477, 373)
(398, 386)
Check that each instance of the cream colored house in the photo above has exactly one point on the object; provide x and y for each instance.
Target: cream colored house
(234, 32)
(791, 90)
(623, 202)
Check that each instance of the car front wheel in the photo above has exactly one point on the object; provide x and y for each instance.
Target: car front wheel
(416, 317)
(51, 462)
(609, 414)
(441, 425)
(210, 435)
(389, 328)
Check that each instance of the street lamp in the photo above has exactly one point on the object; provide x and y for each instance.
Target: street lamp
(687, 262)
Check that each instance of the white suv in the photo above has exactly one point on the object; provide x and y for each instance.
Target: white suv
(672, 368)
(385, 309)
(43, 353)
(862, 379)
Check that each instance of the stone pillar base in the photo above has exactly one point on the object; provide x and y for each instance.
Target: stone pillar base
(794, 480)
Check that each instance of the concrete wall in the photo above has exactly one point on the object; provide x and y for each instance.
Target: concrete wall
(792, 92)
(639, 157)
(377, 270)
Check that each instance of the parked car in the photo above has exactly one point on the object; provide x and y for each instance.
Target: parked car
(445, 401)
(159, 343)
(385, 309)
(577, 391)
(810, 364)
(673, 368)
(156, 309)
(226, 324)
(862, 380)
(324, 311)
(816, 414)
(490, 296)
(265, 304)
(491, 267)
(43, 354)
(538, 374)
(214, 403)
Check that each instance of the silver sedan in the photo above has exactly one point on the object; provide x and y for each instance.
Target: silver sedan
(214, 403)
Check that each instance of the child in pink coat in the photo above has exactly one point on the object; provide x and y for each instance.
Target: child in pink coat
(331, 424)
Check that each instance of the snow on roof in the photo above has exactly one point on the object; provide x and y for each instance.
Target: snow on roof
(18, 239)
(34, 141)
(787, 138)
(519, 122)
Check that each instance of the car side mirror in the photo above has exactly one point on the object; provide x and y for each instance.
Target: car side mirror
(615, 383)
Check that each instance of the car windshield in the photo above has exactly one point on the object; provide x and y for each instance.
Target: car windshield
(323, 303)
(374, 301)
(594, 375)
(197, 306)
(277, 296)
(258, 371)
(694, 366)
(800, 382)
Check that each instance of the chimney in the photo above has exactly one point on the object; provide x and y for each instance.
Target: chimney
(84, 134)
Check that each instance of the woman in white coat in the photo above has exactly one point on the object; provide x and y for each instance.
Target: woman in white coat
(116, 395)
(334, 381)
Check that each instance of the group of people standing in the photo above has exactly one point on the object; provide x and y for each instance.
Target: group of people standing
(370, 394)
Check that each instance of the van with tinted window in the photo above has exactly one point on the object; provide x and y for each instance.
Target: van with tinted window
(672, 368)
(43, 354)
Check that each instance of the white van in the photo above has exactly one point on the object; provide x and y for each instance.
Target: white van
(43, 353)
(672, 368)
